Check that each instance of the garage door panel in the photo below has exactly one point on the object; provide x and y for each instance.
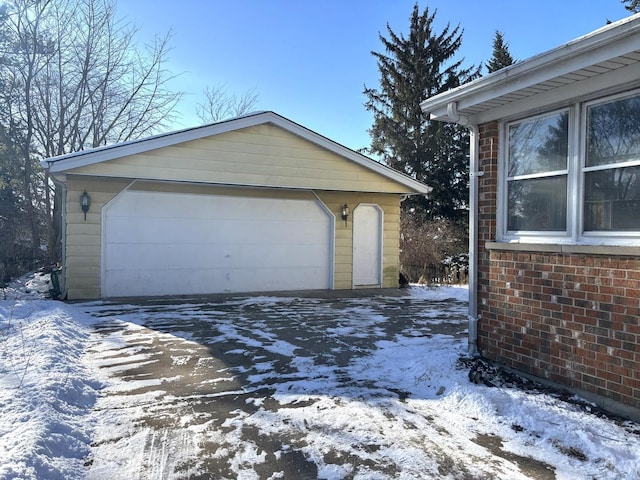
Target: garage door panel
(155, 257)
(154, 229)
(261, 256)
(212, 231)
(274, 279)
(185, 281)
(175, 282)
(200, 255)
(303, 232)
(163, 244)
(145, 229)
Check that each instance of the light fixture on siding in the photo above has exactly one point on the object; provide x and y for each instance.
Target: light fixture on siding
(85, 202)
(345, 213)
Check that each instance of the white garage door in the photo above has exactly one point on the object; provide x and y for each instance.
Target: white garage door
(174, 244)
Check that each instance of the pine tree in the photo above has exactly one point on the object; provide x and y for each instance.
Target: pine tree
(411, 70)
(632, 5)
(501, 57)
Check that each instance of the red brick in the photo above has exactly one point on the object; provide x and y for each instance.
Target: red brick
(580, 311)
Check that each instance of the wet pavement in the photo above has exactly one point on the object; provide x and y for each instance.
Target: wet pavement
(186, 376)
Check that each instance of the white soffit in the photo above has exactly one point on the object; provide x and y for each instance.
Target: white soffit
(604, 58)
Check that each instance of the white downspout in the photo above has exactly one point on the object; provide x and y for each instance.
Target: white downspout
(454, 116)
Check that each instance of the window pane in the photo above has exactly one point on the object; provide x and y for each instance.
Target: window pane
(612, 199)
(538, 204)
(613, 132)
(539, 145)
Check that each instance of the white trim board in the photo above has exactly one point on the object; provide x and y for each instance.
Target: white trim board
(83, 158)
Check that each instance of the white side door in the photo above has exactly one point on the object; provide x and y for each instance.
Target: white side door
(367, 246)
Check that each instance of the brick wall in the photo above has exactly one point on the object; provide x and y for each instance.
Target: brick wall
(487, 193)
(570, 318)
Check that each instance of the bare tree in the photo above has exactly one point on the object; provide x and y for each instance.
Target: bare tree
(220, 104)
(76, 79)
(432, 252)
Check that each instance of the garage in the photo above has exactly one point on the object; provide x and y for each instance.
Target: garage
(256, 203)
(158, 243)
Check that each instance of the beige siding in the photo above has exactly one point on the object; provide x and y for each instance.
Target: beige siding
(83, 238)
(343, 268)
(263, 155)
(220, 190)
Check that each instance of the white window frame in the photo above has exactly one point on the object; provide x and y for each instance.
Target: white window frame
(597, 236)
(576, 165)
(542, 236)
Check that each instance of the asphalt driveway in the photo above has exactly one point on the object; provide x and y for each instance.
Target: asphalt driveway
(286, 386)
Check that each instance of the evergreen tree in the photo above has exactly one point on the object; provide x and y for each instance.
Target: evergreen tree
(632, 5)
(411, 70)
(501, 57)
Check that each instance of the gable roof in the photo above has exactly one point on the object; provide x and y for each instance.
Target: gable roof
(608, 56)
(84, 158)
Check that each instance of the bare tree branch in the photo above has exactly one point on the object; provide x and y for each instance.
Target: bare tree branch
(219, 104)
(77, 79)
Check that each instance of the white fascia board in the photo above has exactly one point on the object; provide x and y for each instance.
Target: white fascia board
(102, 154)
(627, 76)
(608, 42)
(356, 157)
(83, 158)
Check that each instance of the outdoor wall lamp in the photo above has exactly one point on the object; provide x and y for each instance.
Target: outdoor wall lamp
(345, 213)
(85, 202)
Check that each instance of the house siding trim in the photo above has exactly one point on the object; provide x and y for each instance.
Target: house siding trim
(483, 99)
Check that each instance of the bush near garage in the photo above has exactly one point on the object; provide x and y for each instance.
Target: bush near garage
(433, 251)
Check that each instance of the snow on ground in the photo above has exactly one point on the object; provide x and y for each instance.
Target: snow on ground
(46, 393)
(458, 293)
(348, 394)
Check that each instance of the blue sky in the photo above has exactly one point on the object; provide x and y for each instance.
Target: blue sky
(309, 60)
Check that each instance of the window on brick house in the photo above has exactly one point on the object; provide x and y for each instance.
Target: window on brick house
(574, 174)
(537, 174)
(612, 166)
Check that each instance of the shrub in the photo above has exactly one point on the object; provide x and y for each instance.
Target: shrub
(434, 251)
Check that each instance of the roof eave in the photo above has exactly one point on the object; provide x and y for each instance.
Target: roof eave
(598, 46)
(83, 158)
(91, 156)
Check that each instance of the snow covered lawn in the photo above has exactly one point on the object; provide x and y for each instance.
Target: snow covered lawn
(278, 387)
